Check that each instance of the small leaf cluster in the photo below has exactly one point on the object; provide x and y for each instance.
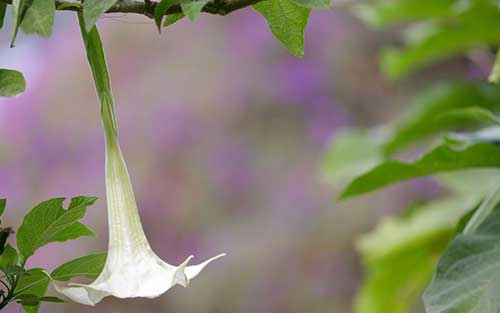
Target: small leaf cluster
(440, 254)
(46, 223)
(287, 20)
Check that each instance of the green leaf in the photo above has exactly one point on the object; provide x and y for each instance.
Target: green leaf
(161, 9)
(32, 282)
(11, 83)
(74, 231)
(400, 254)
(495, 72)
(440, 159)
(470, 181)
(89, 266)
(433, 42)
(8, 257)
(48, 222)
(3, 9)
(483, 211)
(93, 9)
(353, 152)
(382, 12)
(17, 15)
(314, 4)
(39, 18)
(420, 121)
(33, 300)
(394, 285)
(467, 276)
(395, 235)
(172, 18)
(287, 22)
(3, 203)
(471, 113)
(192, 9)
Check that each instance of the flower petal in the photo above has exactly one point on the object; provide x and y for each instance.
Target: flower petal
(149, 277)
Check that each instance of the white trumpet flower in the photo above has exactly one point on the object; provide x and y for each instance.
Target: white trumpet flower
(132, 269)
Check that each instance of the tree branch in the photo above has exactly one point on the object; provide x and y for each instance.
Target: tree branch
(147, 8)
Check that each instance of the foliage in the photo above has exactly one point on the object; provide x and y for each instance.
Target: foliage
(47, 222)
(407, 246)
(401, 254)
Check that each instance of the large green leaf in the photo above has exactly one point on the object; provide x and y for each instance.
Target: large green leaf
(39, 18)
(394, 235)
(93, 9)
(89, 266)
(353, 152)
(383, 12)
(11, 83)
(467, 279)
(400, 254)
(287, 22)
(49, 222)
(440, 159)
(394, 285)
(421, 120)
(33, 282)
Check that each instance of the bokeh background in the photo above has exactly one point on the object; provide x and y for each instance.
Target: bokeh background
(224, 134)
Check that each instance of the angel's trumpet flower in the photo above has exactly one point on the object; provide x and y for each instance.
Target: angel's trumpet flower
(132, 269)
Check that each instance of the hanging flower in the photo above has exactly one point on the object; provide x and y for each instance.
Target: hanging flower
(132, 269)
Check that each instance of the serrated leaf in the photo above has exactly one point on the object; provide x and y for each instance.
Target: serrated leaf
(39, 18)
(192, 9)
(466, 280)
(287, 22)
(89, 266)
(420, 121)
(3, 9)
(11, 83)
(47, 222)
(172, 18)
(440, 159)
(8, 257)
(161, 9)
(33, 282)
(93, 9)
